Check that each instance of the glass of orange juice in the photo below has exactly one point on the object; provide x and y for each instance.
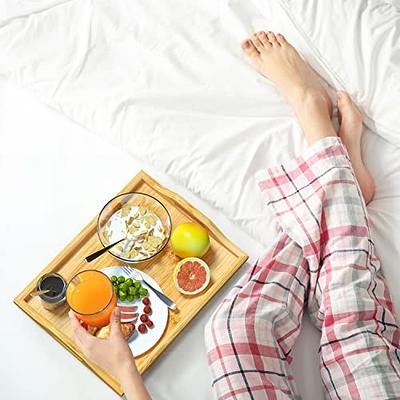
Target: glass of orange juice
(91, 295)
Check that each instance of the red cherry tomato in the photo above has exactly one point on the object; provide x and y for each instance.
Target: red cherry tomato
(147, 310)
(149, 323)
(146, 301)
(142, 328)
(144, 318)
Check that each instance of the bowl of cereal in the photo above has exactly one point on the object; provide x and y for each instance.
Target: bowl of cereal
(141, 219)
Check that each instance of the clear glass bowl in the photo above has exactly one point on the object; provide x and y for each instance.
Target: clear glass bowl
(141, 218)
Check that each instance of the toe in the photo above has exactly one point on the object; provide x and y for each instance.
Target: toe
(249, 49)
(257, 42)
(262, 36)
(281, 39)
(272, 38)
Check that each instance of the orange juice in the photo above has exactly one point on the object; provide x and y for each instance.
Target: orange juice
(90, 294)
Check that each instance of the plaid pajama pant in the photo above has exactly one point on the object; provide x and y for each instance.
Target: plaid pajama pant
(323, 257)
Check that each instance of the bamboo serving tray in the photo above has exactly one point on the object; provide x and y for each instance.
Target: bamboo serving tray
(223, 257)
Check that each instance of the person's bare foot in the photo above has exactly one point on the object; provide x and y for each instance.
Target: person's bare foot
(280, 62)
(350, 131)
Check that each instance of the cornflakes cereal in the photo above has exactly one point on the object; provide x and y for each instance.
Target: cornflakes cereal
(142, 228)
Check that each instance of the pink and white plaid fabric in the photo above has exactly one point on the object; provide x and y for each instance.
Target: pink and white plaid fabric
(324, 258)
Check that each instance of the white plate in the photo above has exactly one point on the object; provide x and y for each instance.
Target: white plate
(140, 343)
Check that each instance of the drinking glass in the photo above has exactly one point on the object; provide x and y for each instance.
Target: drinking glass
(91, 296)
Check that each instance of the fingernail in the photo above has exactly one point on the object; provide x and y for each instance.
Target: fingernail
(246, 43)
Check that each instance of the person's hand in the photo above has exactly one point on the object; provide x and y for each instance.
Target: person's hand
(113, 354)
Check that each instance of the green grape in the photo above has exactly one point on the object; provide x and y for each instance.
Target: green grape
(143, 291)
(114, 279)
(121, 279)
(137, 285)
(132, 290)
(129, 298)
(123, 287)
(122, 295)
(129, 282)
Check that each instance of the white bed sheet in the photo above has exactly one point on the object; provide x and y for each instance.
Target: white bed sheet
(167, 83)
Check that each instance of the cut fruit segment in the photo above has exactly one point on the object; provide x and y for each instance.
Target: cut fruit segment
(191, 276)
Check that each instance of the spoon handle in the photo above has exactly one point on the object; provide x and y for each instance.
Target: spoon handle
(39, 292)
(98, 253)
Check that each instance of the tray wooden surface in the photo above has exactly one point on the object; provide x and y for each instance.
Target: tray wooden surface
(224, 258)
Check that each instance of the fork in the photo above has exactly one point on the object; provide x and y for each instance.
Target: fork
(137, 276)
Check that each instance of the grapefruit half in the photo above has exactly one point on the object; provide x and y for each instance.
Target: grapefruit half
(191, 276)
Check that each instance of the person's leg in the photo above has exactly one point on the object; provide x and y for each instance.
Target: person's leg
(280, 62)
(318, 203)
(350, 132)
(250, 336)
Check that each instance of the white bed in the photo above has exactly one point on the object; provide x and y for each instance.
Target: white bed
(166, 82)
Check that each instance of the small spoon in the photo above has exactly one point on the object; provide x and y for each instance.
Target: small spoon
(101, 251)
(39, 292)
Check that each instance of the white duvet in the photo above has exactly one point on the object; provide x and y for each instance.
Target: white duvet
(166, 81)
